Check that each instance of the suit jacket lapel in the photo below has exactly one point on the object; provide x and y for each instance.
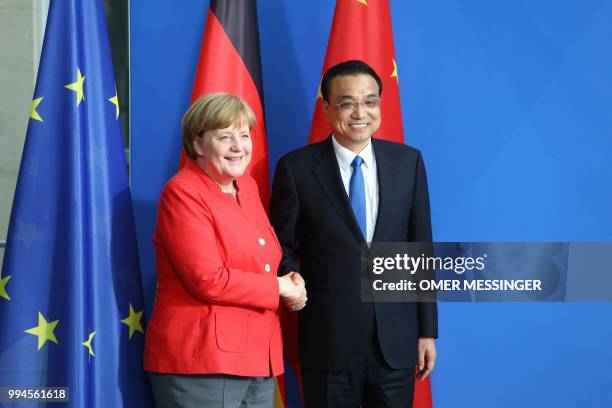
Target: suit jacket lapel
(327, 174)
(387, 175)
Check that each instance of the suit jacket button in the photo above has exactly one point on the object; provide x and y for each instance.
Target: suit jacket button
(262, 241)
(267, 267)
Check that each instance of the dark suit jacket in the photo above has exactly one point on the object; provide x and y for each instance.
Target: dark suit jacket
(321, 239)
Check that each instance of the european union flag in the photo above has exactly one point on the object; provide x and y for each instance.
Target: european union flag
(71, 304)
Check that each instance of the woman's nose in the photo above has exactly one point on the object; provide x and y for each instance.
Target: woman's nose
(236, 144)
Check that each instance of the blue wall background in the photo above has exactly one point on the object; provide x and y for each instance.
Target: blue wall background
(511, 104)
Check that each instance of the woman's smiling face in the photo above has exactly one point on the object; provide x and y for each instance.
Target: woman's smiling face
(224, 154)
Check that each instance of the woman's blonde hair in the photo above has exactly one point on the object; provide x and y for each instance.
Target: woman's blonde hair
(211, 112)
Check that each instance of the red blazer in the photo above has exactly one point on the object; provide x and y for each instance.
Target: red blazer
(217, 295)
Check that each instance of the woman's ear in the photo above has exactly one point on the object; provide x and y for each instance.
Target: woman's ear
(198, 144)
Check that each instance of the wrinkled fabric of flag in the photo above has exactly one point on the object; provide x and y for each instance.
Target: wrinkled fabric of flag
(71, 303)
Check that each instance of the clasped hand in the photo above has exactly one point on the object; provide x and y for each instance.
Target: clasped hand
(292, 288)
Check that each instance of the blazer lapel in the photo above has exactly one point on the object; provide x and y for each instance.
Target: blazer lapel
(386, 173)
(327, 173)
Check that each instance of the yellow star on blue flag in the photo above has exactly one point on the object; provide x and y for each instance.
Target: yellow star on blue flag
(33, 114)
(44, 331)
(3, 282)
(133, 321)
(115, 101)
(77, 86)
(88, 343)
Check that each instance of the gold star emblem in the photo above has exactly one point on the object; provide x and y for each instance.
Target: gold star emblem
(319, 94)
(133, 321)
(394, 73)
(364, 2)
(44, 331)
(77, 86)
(88, 345)
(115, 101)
(3, 282)
(33, 114)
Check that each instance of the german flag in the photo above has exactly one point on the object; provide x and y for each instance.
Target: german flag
(230, 62)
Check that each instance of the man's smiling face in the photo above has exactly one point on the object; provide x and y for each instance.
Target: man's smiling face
(353, 128)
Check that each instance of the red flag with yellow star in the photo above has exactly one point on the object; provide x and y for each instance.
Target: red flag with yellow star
(361, 30)
(230, 62)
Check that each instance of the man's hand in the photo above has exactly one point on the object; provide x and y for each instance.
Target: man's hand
(293, 291)
(427, 357)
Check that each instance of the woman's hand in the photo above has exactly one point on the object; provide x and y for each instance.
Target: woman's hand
(292, 290)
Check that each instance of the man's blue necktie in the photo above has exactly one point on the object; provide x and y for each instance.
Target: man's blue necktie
(357, 195)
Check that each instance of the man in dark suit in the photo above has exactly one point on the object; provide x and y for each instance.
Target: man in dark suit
(327, 199)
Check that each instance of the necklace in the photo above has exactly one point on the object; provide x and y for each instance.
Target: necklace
(233, 192)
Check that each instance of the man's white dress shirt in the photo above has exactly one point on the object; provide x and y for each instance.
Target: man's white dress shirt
(368, 168)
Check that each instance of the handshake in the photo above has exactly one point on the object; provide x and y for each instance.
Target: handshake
(292, 289)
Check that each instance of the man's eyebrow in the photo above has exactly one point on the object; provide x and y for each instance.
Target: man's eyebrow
(372, 95)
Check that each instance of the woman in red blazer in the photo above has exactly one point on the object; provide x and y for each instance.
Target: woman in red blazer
(214, 335)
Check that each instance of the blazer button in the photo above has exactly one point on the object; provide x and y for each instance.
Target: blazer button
(267, 267)
(262, 241)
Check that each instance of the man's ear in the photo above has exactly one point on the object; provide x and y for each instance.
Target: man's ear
(325, 106)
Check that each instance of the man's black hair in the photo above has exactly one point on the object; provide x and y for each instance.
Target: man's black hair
(348, 68)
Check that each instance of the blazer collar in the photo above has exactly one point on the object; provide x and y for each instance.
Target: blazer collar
(210, 184)
(327, 173)
(388, 173)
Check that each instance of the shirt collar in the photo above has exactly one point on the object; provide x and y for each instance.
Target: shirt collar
(345, 156)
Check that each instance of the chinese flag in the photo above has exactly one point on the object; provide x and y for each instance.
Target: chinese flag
(230, 62)
(362, 30)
